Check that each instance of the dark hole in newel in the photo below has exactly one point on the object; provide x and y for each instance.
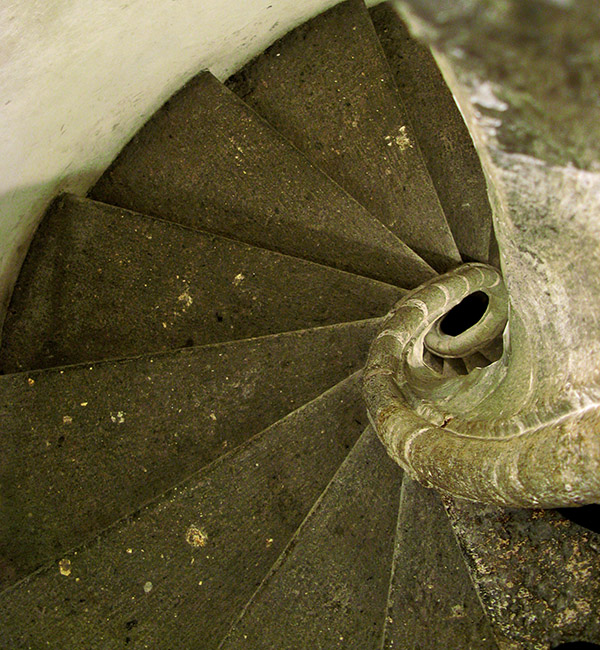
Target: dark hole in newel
(467, 313)
(576, 645)
(586, 516)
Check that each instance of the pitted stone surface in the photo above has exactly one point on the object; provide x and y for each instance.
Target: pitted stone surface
(537, 574)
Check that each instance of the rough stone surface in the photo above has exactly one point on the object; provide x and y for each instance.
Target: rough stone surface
(208, 161)
(442, 134)
(432, 603)
(100, 282)
(328, 589)
(537, 574)
(84, 446)
(179, 571)
(540, 60)
(524, 74)
(176, 569)
(327, 86)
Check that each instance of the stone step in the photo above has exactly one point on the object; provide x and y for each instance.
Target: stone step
(86, 445)
(442, 134)
(329, 588)
(207, 160)
(432, 603)
(328, 87)
(178, 573)
(101, 282)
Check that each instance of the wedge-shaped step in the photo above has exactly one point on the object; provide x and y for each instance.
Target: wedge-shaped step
(442, 135)
(84, 446)
(537, 574)
(208, 161)
(100, 282)
(178, 573)
(328, 87)
(329, 588)
(432, 602)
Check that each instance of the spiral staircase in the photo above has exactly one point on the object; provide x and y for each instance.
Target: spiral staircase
(187, 459)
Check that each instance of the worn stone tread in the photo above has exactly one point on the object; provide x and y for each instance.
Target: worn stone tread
(432, 602)
(442, 134)
(85, 445)
(328, 87)
(177, 573)
(101, 282)
(537, 573)
(208, 161)
(329, 588)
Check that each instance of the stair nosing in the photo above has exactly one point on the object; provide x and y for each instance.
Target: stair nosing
(164, 353)
(81, 200)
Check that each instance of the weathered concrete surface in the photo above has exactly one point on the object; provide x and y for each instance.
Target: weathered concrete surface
(537, 574)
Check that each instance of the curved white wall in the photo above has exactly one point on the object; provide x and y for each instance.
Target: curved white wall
(79, 77)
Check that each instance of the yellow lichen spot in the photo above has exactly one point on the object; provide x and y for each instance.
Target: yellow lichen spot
(31, 381)
(67, 419)
(119, 418)
(196, 537)
(64, 566)
(186, 298)
(401, 140)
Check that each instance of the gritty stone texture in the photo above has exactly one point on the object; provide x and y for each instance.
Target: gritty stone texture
(536, 573)
(444, 432)
(432, 603)
(100, 282)
(140, 426)
(328, 589)
(442, 134)
(525, 75)
(208, 161)
(141, 584)
(540, 60)
(327, 86)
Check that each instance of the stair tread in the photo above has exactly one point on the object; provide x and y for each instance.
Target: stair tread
(537, 573)
(85, 445)
(432, 602)
(101, 282)
(207, 160)
(442, 134)
(329, 588)
(328, 88)
(178, 573)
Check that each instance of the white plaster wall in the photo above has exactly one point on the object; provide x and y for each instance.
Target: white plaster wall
(79, 77)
